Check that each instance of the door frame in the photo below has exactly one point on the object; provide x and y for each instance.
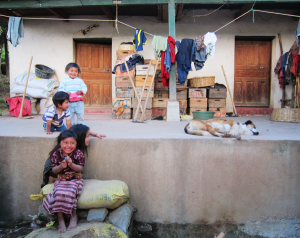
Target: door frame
(257, 38)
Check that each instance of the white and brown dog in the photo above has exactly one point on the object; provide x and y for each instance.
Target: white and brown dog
(221, 128)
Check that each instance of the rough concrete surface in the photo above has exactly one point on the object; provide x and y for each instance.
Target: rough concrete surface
(173, 178)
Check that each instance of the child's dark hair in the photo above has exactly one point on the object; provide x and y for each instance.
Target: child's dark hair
(81, 131)
(63, 135)
(60, 97)
(70, 65)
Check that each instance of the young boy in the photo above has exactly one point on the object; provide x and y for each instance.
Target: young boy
(54, 116)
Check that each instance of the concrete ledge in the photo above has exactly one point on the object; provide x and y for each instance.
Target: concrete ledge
(170, 180)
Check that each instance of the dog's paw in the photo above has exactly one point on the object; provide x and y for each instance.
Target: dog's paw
(226, 135)
(238, 136)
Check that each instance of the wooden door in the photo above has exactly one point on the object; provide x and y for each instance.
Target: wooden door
(95, 65)
(252, 73)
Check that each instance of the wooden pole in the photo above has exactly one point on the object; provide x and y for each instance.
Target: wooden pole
(56, 77)
(229, 91)
(283, 86)
(140, 99)
(21, 110)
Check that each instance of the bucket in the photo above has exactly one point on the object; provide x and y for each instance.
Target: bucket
(203, 115)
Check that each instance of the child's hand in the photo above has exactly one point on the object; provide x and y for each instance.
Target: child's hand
(49, 132)
(100, 135)
(69, 161)
(78, 92)
(64, 164)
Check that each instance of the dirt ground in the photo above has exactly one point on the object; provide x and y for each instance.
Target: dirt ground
(15, 231)
(4, 92)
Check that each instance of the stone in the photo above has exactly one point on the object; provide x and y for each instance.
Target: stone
(82, 214)
(122, 217)
(97, 214)
(83, 230)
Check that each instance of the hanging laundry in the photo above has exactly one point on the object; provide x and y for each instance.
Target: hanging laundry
(159, 44)
(298, 34)
(15, 30)
(281, 74)
(164, 73)
(210, 40)
(199, 43)
(289, 76)
(131, 61)
(139, 39)
(295, 65)
(183, 59)
(167, 58)
(172, 43)
(294, 48)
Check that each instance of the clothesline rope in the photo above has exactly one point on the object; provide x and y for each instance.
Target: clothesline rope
(134, 27)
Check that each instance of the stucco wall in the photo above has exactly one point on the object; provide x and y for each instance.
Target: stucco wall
(170, 180)
(51, 42)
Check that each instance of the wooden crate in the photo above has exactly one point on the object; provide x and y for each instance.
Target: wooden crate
(197, 103)
(181, 93)
(182, 103)
(217, 93)
(147, 115)
(146, 90)
(125, 74)
(117, 102)
(135, 102)
(124, 81)
(142, 69)
(197, 92)
(158, 75)
(124, 92)
(123, 53)
(140, 80)
(161, 93)
(126, 114)
(217, 103)
(160, 102)
(159, 111)
(219, 112)
(191, 109)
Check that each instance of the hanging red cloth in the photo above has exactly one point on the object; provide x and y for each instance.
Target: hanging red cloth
(164, 73)
(172, 43)
(295, 65)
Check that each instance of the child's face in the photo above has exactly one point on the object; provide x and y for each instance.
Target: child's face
(65, 105)
(72, 72)
(87, 138)
(68, 145)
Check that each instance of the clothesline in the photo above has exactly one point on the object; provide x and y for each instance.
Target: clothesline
(99, 20)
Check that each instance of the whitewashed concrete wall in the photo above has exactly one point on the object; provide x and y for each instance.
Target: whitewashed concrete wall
(51, 42)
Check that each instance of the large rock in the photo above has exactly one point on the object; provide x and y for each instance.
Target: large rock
(83, 230)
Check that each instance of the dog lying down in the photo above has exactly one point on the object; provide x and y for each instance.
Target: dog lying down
(221, 128)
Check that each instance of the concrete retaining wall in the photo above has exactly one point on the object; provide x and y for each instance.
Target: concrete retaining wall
(170, 180)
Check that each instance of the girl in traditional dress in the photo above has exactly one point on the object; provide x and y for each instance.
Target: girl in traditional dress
(67, 161)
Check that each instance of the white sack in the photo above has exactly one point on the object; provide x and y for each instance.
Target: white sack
(35, 82)
(33, 92)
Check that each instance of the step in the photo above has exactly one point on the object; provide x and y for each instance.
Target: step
(253, 111)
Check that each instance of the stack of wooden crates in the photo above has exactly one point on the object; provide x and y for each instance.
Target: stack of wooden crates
(217, 101)
(161, 96)
(124, 89)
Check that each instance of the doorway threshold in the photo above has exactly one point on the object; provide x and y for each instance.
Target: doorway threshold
(254, 111)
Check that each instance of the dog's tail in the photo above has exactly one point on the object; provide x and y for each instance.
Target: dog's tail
(196, 132)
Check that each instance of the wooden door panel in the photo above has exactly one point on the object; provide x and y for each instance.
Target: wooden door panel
(95, 63)
(252, 73)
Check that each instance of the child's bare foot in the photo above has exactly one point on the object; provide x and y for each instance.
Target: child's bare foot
(61, 223)
(73, 220)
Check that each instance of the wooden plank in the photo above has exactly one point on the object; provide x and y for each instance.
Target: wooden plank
(181, 94)
(140, 80)
(217, 103)
(197, 92)
(126, 114)
(117, 102)
(243, 10)
(107, 12)
(124, 92)
(179, 12)
(79, 3)
(161, 93)
(217, 93)
(120, 74)
(182, 103)
(159, 111)
(135, 103)
(59, 13)
(160, 102)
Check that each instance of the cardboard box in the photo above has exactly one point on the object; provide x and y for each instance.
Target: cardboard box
(124, 92)
(117, 102)
(197, 92)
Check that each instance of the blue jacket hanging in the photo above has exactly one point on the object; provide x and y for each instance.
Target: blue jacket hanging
(139, 39)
